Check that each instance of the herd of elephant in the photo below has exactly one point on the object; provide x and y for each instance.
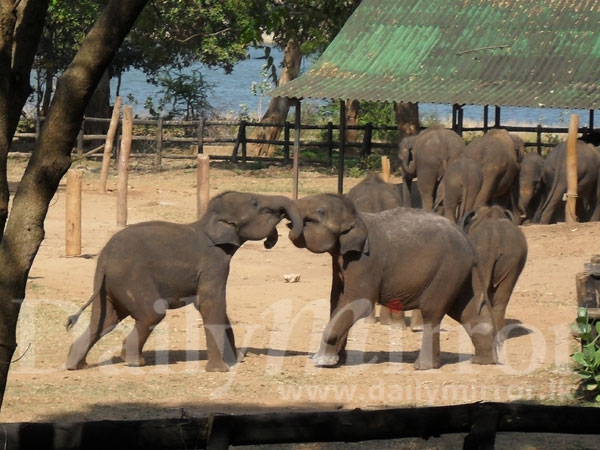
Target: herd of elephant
(453, 178)
(460, 254)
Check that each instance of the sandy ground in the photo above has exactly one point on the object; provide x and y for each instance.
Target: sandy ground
(278, 325)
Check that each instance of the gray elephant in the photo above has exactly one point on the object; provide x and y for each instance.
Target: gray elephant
(531, 185)
(150, 267)
(499, 155)
(462, 183)
(555, 181)
(374, 195)
(403, 258)
(427, 156)
(502, 252)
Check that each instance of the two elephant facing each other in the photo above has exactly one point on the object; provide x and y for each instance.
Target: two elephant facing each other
(403, 258)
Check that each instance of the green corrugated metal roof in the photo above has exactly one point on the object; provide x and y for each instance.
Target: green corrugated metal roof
(539, 53)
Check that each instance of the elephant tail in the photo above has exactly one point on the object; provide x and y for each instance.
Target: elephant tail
(484, 275)
(99, 290)
(549, 195)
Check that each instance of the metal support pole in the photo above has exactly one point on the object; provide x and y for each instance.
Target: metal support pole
(342, 149)
(486, 115)
(497, 123)
(297, 125)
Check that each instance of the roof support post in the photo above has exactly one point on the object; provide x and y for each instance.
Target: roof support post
(454, 114)
(497, 124)
(342, 149)
(486, 114)
(459, 124)
(296, 159)
(591, 121)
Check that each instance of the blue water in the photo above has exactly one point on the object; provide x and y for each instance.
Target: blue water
(230, 94)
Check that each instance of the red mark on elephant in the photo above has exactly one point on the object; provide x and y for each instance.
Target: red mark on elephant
(395, 305)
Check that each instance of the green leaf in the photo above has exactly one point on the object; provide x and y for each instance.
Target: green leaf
(597, 398)
(579, 358)
(585, 376)
(591, 387)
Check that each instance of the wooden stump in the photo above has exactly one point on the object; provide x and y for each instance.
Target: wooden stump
(73, 220)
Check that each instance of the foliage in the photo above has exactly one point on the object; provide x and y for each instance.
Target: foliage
(184, 94)
(588, 359)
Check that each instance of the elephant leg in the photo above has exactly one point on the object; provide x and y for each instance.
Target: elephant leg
(551, 208)
(134, 342)
(429, 355)
(336, 332)
(416, 320)
(220, 340)
(427, 190)
(103, 319)
(389, 317)
(383, 316)
(501, 296)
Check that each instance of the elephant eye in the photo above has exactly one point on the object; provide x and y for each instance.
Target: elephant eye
(266, 211)
(320, 211)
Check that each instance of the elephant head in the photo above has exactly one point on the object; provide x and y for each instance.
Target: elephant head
(476, 217)
(406, 156)
(331, 224)
(235, 217)
(519, 147)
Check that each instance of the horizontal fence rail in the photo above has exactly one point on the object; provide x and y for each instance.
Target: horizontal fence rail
(481, 422)
(203, 133)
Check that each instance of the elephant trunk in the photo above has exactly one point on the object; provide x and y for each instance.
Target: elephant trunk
(291, 213)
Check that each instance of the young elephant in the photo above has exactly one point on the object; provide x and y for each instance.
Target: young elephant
(150, 267)
(374, 195)
(531, 185)
(461, 185)
(502, 251)
(404, 258)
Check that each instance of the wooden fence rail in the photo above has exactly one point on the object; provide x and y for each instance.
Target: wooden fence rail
(200, 136)
(481, 422)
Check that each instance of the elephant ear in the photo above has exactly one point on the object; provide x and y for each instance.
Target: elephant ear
(467, 221)
(509, 215)
(354, 238)
(222, 232)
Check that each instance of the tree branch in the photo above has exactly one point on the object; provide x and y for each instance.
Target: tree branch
(216, 33)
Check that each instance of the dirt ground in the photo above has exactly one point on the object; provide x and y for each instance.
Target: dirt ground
(278, 325)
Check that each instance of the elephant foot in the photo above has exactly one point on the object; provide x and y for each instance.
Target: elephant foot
(426, 365)
(132, 361)
(483, 359)
(370, 319)
(217, 366)
(325, 360)
(78, 366)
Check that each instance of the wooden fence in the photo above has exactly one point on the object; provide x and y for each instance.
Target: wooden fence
(481, 422)
(202, 132)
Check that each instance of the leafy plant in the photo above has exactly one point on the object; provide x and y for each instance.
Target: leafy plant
(588, 359)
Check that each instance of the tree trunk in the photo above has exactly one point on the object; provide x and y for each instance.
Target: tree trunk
(407, 118)
(51, 156)
(351, 119)
(279, 106)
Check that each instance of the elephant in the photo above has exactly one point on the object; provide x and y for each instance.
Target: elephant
(427, 156)
(555, 181)
(499, 155)
(462, 183)
(404, 258)
(502, 252)
(150, 267)
(531, 185)
(373, 195)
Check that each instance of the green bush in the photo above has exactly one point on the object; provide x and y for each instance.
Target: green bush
(588, 359)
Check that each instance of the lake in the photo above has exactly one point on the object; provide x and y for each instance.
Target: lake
(231, 93)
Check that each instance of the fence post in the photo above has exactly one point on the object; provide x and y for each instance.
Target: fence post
(385, 167)
(73, 220)
(123, 168)
(497, 117)
(366, 145)
(201, 135)
(159, 143)
(286, 142)
(570, 207)
(243, 140)
(203, 184)
(460, 120)
(80, 140)
(539, 139)
(108, 144)
(236, 146)
(296, 164)
(330, 144)
(591, 121)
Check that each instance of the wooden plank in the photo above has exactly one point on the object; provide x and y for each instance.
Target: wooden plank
(73, 219)
(203, 184)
